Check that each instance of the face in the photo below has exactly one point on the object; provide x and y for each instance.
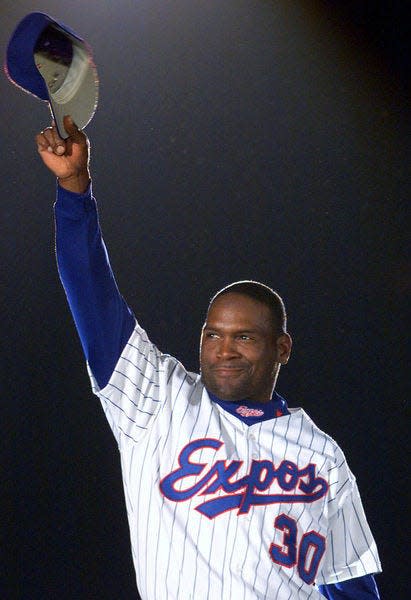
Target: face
(240, 354)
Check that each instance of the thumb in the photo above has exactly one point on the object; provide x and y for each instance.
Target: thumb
(71, 128)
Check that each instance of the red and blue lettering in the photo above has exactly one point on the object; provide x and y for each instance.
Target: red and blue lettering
(297, 485)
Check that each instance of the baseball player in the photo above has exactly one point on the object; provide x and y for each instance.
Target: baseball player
(230, 493)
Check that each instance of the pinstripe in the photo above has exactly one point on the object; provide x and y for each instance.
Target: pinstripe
(144, 357)
(260, 550)
(300, 429)
(248, 528)
(209, 558)
(354, 547)
(308, 528)
(345, 544)
(367, 538)
(235, 552)
(184, 552)
(300, 433)
(120, 408)
(290, 590)
(127, 435)
(171, 373)
(129, 498)
(235, 533)
(147, 381)
(339, 490)
(156, 409)
(189, 511)
(212, 537)
(312, 437)
(225, 555)
(272, 453)
(172, 417)
(199, 528)
(324, 445)
(269, 578)
(331, 545)
(128, 362)
(248, 549)
(139, 563)
(130, 400)
(147, 541)
(169, 429)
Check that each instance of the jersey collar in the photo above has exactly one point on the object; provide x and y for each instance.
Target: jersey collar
(254, 412)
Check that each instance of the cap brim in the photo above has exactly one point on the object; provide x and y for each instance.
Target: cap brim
(80, 104)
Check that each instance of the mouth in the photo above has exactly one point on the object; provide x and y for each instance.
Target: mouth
(227, 370)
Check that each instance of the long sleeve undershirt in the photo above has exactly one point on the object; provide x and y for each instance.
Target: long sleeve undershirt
(105, 322)
(103, 319)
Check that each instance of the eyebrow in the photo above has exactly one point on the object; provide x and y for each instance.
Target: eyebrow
(239, 330)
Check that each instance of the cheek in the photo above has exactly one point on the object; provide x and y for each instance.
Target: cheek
(265, 363)
(205, 354)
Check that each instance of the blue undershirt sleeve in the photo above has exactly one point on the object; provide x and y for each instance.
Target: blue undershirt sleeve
(103, 319)
(359, 588)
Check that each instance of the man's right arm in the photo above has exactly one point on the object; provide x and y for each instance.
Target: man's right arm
(103, 319)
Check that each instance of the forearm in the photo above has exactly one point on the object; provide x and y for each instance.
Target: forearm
(103, 320)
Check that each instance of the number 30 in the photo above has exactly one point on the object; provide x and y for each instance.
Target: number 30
(311, 549)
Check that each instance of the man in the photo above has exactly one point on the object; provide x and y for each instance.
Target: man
(230, 494)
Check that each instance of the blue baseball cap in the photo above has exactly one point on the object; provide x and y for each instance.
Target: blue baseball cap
(50, 61)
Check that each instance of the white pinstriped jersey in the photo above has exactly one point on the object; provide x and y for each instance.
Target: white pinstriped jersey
(221, 510)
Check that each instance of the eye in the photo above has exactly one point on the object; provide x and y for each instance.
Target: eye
(211, 335)
(244, 337)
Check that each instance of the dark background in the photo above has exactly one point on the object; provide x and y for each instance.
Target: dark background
(233, 139)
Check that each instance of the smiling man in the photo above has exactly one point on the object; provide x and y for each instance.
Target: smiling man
(230, 493)
(244, 342)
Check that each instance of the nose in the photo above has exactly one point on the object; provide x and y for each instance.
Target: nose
(227, 348)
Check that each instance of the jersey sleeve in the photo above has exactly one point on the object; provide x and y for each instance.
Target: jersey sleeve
(351, 549)
(103, 319)
(143, 382)
(359, 588)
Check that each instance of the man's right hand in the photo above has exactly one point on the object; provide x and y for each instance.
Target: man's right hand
(67, 159)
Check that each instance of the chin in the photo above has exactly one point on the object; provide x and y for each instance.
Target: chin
(227, 395)
(225, 392)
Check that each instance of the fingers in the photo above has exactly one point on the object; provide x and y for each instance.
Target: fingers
(49, 140)
(77, 138)
(71, 128)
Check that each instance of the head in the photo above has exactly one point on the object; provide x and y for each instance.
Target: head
(244, 342)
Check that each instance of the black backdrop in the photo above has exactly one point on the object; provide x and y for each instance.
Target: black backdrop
(234, 139)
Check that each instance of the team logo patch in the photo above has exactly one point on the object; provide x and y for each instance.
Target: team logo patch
(265, 483)
(244, 411)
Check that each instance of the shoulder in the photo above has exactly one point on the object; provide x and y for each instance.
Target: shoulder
(146, 357)
(308, 433)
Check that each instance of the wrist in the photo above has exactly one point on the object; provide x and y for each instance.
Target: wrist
(76, 183)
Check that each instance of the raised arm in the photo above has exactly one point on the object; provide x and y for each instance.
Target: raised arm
(103, 320)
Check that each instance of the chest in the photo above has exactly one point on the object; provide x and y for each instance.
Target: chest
(210, 460)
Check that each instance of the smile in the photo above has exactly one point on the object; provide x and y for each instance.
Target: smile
(227, 371)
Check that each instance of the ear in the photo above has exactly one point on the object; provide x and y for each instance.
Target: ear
(284, 344)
